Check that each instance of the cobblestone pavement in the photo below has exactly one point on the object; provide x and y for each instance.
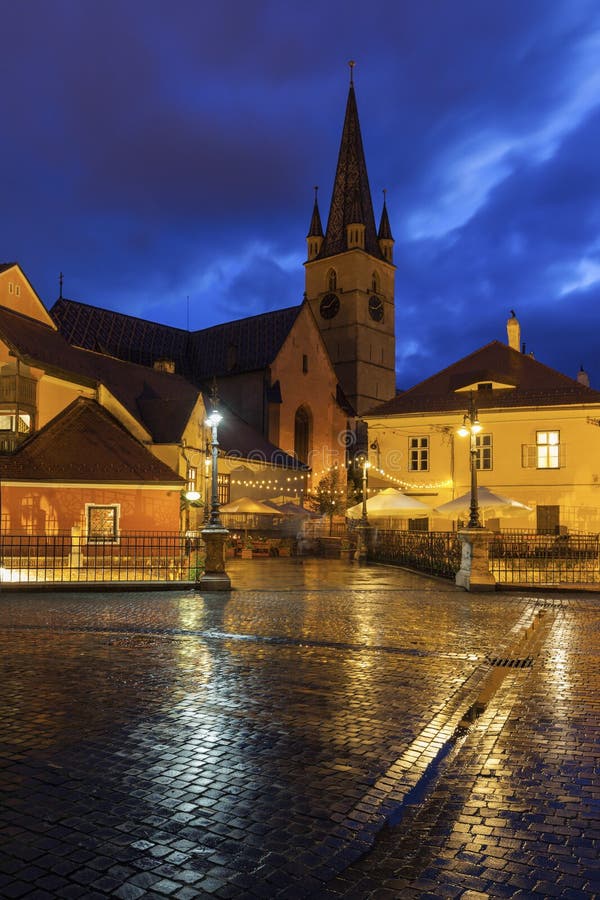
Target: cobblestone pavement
(324, 730)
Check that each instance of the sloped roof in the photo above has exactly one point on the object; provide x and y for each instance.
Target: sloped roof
(245, 345)
(351, 197)
(143, 391)
(161, 402)
(85, 443)
(535, 384)
(5, 266)
(126, 337)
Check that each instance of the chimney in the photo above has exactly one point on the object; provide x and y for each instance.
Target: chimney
(514, 331)
(164, 365)
(583, 377)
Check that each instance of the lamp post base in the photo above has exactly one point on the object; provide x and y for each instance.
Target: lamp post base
(474, 573)
(364, 531)
(214, 578)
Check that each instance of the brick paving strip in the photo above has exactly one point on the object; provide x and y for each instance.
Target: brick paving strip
(515, 811)
(247, 748)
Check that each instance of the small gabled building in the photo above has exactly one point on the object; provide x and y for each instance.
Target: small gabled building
(85, 471)
(539, 443)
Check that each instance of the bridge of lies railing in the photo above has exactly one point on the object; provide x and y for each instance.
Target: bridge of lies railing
(162, 557)
(515, 558)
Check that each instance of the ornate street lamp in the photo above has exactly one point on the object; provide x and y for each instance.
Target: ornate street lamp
(213, 421)
(215, 578)
(365, 465)
(470, 427)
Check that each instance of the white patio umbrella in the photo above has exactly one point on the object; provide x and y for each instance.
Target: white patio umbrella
(249, 515)
(490, 504)
(390, 504)
(248, 506)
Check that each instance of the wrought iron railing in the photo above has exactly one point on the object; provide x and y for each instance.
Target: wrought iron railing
(67, 558)
(432, 552)
(530, 558)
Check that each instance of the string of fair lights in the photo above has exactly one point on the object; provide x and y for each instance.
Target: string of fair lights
(297, 481)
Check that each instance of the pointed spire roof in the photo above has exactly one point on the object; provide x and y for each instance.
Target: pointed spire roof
(385, 231)
(351, 195)
(316, 229)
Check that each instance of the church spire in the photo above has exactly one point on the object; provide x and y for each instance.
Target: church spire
(351, 193)
(314, 238)
(384, 235)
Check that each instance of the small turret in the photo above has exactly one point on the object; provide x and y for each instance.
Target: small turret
(583, 377)
(384, 235)
(514, 331)
(314, 238)
(355, 229)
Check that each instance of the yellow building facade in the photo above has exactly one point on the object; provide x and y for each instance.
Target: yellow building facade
(539, 442)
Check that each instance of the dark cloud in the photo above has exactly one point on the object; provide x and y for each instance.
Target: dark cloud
(163, 156)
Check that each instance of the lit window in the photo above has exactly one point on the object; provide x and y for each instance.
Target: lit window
(102, 523)
(548, 449)
(418, 454)
(192, 478)
(8, 422)
(483, 451)
(223, 488)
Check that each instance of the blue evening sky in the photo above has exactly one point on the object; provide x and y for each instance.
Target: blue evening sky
(163, 156)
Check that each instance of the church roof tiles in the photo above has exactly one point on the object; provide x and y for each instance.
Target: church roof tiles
(245, 345)
(351, 198)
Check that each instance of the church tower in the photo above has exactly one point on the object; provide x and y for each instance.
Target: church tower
(349, 277)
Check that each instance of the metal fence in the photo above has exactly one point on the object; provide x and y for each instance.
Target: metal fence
(432, 552)
(522, 558)
(531, 558)
(66, 558)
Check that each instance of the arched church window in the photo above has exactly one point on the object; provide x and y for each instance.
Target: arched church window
(332, 280)
(302, 433)
(375, 283)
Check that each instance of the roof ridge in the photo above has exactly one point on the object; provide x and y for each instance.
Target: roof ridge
(112, 312)
(271, 312)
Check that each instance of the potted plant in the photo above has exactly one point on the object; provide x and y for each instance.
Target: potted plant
(247, 548)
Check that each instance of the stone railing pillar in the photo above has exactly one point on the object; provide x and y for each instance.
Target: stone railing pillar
(474, 573)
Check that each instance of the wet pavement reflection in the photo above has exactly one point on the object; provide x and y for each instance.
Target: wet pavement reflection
(255, 743)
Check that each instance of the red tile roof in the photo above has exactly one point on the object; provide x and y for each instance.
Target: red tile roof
(535, 384)
(85, 443)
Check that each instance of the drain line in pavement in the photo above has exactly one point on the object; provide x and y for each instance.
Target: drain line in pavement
(405, 784)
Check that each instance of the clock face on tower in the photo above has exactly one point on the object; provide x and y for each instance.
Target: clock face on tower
(376, 308)
(330, 305)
